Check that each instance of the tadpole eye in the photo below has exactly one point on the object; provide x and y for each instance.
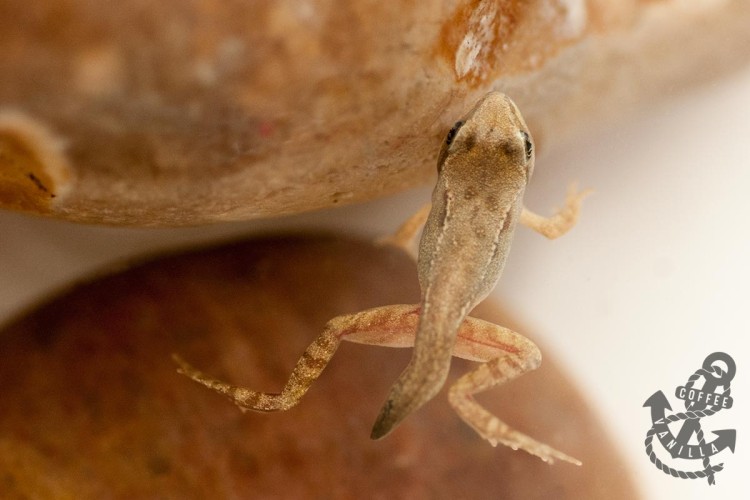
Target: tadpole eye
(527, 145)
(452, 133)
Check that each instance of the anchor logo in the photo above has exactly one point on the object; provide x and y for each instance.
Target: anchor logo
(699, 403)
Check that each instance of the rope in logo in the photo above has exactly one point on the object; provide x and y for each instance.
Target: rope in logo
(708, 469)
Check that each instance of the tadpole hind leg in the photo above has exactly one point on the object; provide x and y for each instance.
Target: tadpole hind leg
(506, 355)
(387, 326)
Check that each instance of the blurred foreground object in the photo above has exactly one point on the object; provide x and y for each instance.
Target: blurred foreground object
(173, 112)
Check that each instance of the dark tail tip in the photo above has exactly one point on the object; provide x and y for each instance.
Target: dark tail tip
(385, 422)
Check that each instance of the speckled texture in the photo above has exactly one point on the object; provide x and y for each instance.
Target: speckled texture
(174, 112)
(93, 407)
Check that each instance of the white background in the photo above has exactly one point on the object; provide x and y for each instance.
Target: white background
(655, 277)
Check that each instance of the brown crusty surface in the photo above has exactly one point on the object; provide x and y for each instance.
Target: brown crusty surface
(174, 112)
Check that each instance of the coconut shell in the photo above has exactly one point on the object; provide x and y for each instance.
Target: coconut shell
(93, 407)
(175, 112)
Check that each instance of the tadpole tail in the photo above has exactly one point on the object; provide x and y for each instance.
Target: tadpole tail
(420, 381)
